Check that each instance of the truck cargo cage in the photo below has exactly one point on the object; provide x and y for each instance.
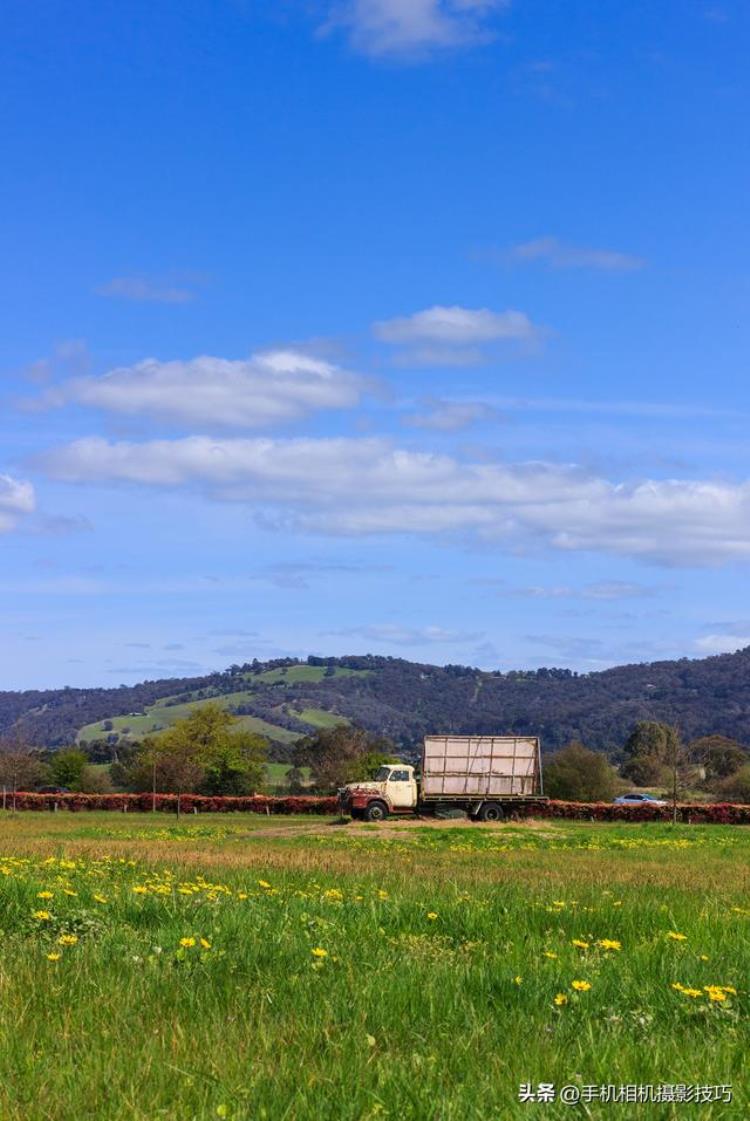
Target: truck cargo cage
(483, 767)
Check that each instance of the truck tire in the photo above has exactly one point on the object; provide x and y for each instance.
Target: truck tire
(491, 811)
(376, 811)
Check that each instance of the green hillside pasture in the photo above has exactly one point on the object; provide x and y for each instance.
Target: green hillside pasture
(258, 969)
(318, 717)
(160, 716)
(303, 675)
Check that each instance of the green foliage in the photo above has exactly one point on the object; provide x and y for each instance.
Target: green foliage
(342, 754)
(650, 748)
(735, 788)
(719, 755)
(67, 768)
(577, 774)
(206, 753)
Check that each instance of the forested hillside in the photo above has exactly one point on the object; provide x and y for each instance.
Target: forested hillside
(285, 699)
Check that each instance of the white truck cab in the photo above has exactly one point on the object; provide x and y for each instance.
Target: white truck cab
(394, 783)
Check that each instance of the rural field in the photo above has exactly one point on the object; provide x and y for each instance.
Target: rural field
(247, 968)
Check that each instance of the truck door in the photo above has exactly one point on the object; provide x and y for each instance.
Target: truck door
(401, 789)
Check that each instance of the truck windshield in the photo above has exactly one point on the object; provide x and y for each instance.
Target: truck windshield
(382, 774)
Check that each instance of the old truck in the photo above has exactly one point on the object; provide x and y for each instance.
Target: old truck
(486, 776)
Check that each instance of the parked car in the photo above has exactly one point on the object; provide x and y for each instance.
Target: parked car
(639, 800)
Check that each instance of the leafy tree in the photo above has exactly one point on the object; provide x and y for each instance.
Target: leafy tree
(735, 788)
(719, 755)
(649, 749)
(342, 754)
(95, 780)
(577, 774)
(67, 768)
(206, 752)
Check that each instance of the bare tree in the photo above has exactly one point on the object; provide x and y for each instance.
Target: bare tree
(20, 767)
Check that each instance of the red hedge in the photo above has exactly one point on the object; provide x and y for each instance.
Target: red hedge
(717, 813)
(167, 803)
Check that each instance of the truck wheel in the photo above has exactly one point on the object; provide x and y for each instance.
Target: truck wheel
(376, 811)
(491, 811)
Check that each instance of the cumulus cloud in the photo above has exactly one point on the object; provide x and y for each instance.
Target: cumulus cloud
(267, 388)
(559, 255)
(16, 501)
(356, 486)
(451, 416)
(454, 336)
(456, 325)
(143, 290)
(413, 27)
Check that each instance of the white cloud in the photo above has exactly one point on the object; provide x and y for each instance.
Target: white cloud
(559, 255)
(721, 643)
(456, 325)
(352, 486)
(142, 290)
(412, 27)
(16, 501)
(267, 388)
(390, 634)
(450, 416)
(602, 590)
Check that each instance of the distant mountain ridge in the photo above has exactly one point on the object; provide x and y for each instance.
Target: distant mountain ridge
(286, 698)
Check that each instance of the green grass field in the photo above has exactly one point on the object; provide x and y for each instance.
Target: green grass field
(248, 967)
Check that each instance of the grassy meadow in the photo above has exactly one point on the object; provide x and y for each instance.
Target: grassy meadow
(295, 968)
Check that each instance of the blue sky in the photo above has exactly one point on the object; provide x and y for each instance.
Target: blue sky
(404, 326)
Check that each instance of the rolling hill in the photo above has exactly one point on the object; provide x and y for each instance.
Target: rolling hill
(285, 699)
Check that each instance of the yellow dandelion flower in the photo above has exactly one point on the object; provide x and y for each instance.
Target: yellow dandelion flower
(549, 954)
(715, 994)
(44, 895)
(580, 986)
(242, 895)
(677, 986)
(264, 884)
(609, 944)
(139, 889)
(42, 915)
(319, 952)
(205, 944)
(561, 999)
(69, 891)
(54, 956)
(702, 957)
(100, 899)
(188, 943)
(728, 989)
(518, 980)
(67, 940)
(432, 915)
(580, 943)
(676, 936)
(690, 992)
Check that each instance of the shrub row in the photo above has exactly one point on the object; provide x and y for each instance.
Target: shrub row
(167, 803)
(718, 813)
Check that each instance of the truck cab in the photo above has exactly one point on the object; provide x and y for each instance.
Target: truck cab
(393, 790)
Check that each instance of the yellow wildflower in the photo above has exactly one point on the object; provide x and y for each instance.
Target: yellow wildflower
(319, 952)
(518, 980)
(561, 999)
(42, 915)
(609, 944)
(139, 889)
(67, 940)
(580, 944)
(44, 895)
(264, 884)
(581, 986)
(205, 944)
(188, 943)
(100, 899)
(54, 956)
(676, 937)
(549, 954)
(432, 915)
(715, 993)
